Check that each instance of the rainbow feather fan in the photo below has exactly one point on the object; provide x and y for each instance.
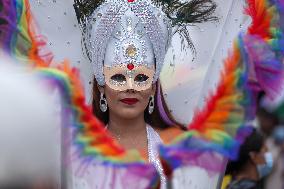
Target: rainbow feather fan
(262, 18)
(90, 133)
(18, 37)
(263, 45)
(89, 136)
(267, 19)
(19, 26)
(253, 66)
(220, 126)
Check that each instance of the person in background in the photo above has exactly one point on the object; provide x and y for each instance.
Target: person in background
(270, 119)
(267, 121)
(254, 163)
(275, 144)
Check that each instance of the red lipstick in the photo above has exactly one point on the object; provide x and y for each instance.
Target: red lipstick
(129, 101)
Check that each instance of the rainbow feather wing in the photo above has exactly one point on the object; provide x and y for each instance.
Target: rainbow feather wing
(8, 19)
(88, 135)
(220, 126)
(254, 65)
(91, 132)
(261, 13)
(226, 111)
(263, 45)
(19, 37)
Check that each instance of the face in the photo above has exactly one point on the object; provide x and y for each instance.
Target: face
(129, 68)
(258, 157)
(127, 104)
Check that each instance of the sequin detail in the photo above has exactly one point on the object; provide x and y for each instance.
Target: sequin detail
(107, 16)
(154, 140)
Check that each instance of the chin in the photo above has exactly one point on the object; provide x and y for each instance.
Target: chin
(129, 113)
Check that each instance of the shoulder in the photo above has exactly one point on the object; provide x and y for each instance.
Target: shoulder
(243, 184)
(169, 134)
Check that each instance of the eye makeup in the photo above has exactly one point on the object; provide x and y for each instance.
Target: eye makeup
(121, 77)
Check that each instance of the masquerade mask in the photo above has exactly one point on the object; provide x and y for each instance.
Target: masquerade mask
(129, 58)
(129, 76)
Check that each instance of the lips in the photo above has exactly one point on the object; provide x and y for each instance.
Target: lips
(129, 101)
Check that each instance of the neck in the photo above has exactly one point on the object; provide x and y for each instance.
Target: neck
(126, 126)
(130, 133)
(248, 172)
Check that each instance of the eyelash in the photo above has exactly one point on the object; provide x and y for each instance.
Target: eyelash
(141, 78)
(118, 78)
(121, 78)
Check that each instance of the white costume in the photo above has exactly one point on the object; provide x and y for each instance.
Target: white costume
(134, 39)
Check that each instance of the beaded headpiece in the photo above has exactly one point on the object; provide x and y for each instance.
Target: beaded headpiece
(131, 33)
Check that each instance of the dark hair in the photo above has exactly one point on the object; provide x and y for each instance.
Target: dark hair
(155, 120)
(253, 143)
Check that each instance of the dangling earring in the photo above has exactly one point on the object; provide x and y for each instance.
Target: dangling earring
(103, 103)
(151, 104)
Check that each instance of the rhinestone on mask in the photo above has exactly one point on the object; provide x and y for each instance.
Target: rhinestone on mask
(131, 51)
(130, 66)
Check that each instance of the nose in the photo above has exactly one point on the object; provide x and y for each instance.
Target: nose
(130, 84)
(130, 91)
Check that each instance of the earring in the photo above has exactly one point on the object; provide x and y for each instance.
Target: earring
(103, 103)
(151, 104)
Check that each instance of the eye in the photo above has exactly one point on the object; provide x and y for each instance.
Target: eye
(141, 78)
(118, 78)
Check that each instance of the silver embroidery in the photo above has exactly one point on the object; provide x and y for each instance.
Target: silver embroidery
(155, 23)
(154, 141)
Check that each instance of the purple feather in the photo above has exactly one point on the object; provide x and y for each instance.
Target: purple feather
(8, 24)
(266, 70)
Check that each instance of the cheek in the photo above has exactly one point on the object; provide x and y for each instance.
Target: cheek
(112, 97)
(117, 107)
(145, 96)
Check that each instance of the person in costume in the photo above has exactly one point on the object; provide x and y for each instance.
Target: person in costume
(97, 161)
(126, 42)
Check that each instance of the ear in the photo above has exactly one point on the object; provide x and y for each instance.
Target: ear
(101, 89)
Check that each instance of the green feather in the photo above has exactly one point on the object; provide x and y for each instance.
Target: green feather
(194, 11)
(180, 13)
(187, 13)
(84, 8)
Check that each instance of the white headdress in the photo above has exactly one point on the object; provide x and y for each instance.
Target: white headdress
(136, 31)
